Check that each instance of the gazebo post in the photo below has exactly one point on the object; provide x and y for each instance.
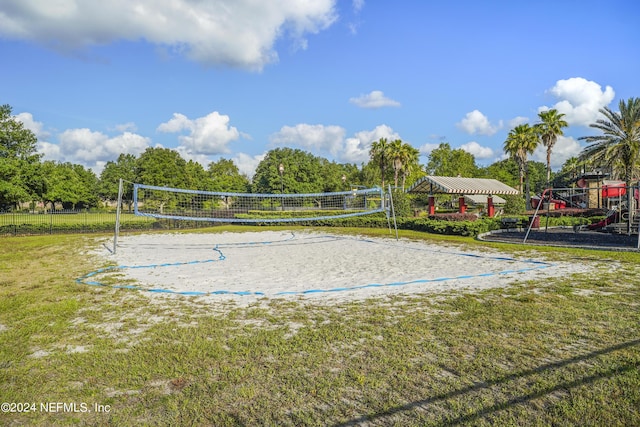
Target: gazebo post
(432, 204)
(491, 210)
(462, 208)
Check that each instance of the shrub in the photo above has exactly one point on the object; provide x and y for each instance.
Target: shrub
(514, 205)
(401, 203)
(454, 216)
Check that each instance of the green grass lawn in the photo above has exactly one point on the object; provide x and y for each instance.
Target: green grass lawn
(561, 351)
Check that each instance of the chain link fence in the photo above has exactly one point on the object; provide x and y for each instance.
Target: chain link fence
(83, 221)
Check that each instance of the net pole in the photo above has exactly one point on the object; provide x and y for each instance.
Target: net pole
(638, 190)
(393, 212)
(118, 210)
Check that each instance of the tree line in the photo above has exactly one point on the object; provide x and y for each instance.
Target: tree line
(26, 178)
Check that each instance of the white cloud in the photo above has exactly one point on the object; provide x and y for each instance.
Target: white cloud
(49, 151)
(564, 148)
(311, 137)
(356, 149)
(477, 123)
(248, 164)
(92, 149)
(517, 121)
(427, 148)
(331, 139)
(374, 99)
(208, 135)
(580, 100)
(126, 127)
(478, 151)
(203, 159)
(87, 147)
(29, 123)
(239, 33)
(357, 6)
(83, 146)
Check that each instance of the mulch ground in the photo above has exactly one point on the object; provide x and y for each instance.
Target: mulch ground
(567, 237)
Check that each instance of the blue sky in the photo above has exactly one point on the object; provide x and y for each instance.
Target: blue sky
(236, 78)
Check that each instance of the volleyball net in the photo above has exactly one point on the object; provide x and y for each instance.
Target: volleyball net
(214, 206)
(179, 204)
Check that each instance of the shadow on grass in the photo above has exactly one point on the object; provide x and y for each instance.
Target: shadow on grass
(630, 366)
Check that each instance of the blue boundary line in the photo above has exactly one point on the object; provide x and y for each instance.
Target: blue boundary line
(84, 280)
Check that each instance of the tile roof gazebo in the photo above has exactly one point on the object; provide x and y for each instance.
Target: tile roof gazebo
(461, 186)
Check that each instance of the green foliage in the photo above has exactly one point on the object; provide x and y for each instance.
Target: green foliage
(537, 176)
(443, 161)
(162, 167)
(19, 176)
(549, 128)
(197, 178)
(514, 204)
(70, 185)
(618, 143)
(16, 142)
(401, 203)
(302, 172)
(123, 168)
(505, 171)
(569, 173)
(380, 155)
(521, 141)
(456, 228)
(225, 176)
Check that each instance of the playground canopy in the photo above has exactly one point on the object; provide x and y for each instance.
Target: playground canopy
(462, 186)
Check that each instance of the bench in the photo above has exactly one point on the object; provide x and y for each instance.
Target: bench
(509, 223)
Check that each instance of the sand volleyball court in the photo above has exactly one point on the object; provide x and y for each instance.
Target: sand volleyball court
(244, 267)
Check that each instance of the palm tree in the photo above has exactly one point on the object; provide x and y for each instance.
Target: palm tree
(548, 130)
(379, 152)
(619, 144)
(522, 141)
(411, 162)
(397, 154)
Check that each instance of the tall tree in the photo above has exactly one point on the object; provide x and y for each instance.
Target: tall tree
(197, 177)
(15, 141)
(379, 153)
(444, 161)
(568, 173)
(397, 154)
(506, 171)
(301, 172)
(411, 164)
(404, 160)
(123, 168)
(163, 167)
(549, 128)
(522, 141)
(618, 146)
(226, 176)
(70, 185)
(20, 179)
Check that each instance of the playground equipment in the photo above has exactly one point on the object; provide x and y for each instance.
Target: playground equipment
(611, 218)
(614, 194)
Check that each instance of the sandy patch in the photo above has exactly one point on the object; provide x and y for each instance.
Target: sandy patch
(245, 267)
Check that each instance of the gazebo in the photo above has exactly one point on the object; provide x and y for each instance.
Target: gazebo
(461, 186)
